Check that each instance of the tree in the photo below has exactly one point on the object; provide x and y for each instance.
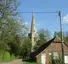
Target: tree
(7, 7)
(15, 46)
(65, 36)
(26, 48)
(59, 34)
(43, 37)
(7, 22)
(10, 29)
(45, 33)
(55, 61)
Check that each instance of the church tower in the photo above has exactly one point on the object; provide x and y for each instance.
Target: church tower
(33, 32)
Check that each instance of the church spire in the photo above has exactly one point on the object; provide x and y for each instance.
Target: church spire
(33, 31)
(33, 27)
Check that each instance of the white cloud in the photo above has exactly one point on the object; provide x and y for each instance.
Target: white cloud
(65, 19)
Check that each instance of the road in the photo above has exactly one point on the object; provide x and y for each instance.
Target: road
(18, 61)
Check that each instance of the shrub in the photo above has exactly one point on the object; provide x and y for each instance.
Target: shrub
(5, 56)
(55, 61)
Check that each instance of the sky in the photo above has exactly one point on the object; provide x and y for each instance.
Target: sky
(48, 21)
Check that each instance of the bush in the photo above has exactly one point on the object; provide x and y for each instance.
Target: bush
(55, 61)
(5, 56)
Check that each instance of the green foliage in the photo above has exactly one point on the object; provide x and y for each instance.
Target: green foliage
(65, 36)
(29, 35)
(26, 48)
(55, 61)
(5, 56)
(44, 36)
(10, 29)
(59, 34)
(9, 39)
(66, 39)
(12, 32)
(8, 25)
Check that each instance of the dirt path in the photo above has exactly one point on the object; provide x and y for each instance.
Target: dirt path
(18, 61)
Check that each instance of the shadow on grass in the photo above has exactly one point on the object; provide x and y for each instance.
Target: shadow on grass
(29, 60)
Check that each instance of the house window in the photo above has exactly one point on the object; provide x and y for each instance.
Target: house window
(66, 59)
(55, 55)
